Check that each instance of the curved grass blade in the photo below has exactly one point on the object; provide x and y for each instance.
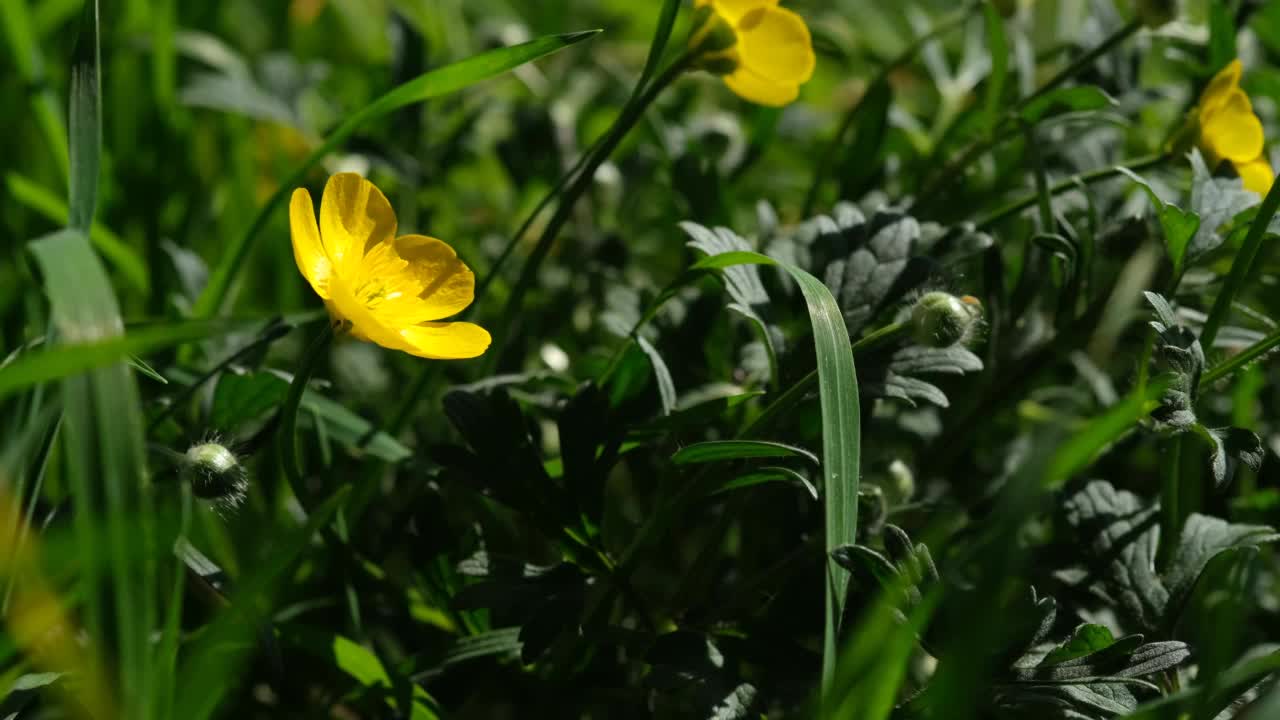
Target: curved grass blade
(63, 360)
(717, 450)
(103, 444)
(433, 84)
(841, 433)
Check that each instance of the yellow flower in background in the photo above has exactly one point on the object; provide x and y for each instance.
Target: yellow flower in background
(1229, 130)
(390, 290)
(771, 55)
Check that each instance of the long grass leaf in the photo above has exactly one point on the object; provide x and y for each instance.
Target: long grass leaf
(103, 446)
(841, 434)
(67, 359)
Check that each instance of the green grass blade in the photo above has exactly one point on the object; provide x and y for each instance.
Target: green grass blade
(433, 84)
(84, 122)
(717, 450)
(841, 433)
(661, 36)
(104, 461)
(63, 360)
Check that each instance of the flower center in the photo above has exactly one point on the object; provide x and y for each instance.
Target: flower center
(374, 291)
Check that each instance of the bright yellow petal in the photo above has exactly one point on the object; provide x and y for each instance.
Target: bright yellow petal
(774, 43)
(732, 10)
(354, 216)
(754, 88)
(308, 251)
(345, 304)
(1256, 174)
(1232, 130)
(448, 285)
(1227, 80)
(446, 341)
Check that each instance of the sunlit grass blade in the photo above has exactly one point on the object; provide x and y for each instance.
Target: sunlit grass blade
(104, 461)
(66, 359)
(841, 433)
(84, 122)
(433, 84)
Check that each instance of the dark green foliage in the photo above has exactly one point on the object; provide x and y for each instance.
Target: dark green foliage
(946, 392)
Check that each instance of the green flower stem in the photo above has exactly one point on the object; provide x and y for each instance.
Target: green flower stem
(1241, 268)
(1171, 512)
(1242, 358)
(287, 432)
(1017, 206)
(944, 26)
(630, 115)
(955, 169)
(274, 331)
(1083, 62)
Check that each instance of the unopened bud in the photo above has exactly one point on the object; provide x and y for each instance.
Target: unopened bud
(712, 33)
(215, 474)
(941, 319)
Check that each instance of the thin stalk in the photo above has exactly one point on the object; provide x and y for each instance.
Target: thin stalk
(625, 122)
(953, 170)
(287, 437)
(272, 333)
(1016, 206)
(944, 26)
(1242, 358)
(795, 394)
(1241, 267)
(1170, 499)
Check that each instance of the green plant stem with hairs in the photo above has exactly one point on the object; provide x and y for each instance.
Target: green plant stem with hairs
(287, 431)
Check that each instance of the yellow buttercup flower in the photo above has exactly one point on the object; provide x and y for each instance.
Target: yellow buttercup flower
(771, 54)
(1229, 130)
(389, 290)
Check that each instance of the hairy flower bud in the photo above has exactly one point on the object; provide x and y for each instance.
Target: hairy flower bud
(941, 319)
(215, 474)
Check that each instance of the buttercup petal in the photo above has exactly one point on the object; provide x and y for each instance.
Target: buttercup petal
(732, 10)
(345, 304)
(308, 251)
(1256, 174)
(448, 285)
(446, 341)
(774, 43)
(758, 89)
(354, 216)
(1232, 130)
(1227, 80)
